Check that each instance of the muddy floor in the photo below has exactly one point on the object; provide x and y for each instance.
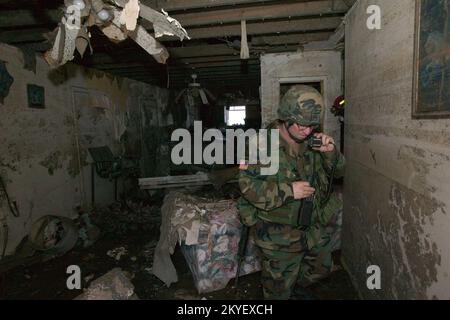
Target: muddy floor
(47, 280)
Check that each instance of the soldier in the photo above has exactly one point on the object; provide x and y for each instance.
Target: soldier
(294, 215)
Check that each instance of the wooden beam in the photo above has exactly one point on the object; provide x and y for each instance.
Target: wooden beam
(173, 5)
(290, 39)
(207, 64)
(262, 12)
(125, 65)
(203, 77)
(21, 18)
(214, 68)
(193, 60)
(332, 43)
(222, 50)
(220, 84)
(20, 36)
(302, 25)
(28, 17)
(202, 51)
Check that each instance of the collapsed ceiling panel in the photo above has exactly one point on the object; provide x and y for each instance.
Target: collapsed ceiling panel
(120, 18)
(138, 37)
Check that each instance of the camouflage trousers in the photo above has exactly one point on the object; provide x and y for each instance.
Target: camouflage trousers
(283, 269)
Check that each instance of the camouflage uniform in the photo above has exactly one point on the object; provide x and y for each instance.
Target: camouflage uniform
(292, 253)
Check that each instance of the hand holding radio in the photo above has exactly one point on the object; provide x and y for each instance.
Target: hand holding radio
(327, 143)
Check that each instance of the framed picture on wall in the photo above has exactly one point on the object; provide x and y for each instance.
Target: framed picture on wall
(431, 87)
(36, 96)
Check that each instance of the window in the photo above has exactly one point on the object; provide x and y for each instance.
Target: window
(235, 115)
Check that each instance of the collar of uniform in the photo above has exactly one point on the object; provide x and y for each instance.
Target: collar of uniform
(290, 150)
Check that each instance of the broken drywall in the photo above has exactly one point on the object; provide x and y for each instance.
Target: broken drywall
(118, 20)
(44, 157)
(396, 205)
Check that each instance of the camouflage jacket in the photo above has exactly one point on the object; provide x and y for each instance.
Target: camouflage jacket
(270, 199)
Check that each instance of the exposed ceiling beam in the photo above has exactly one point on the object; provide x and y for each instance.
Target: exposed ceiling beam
(221, 50)
(24, 17)
(30, 17)
(290, 38)
(214, 73)
(236, 68)
(271, 11)
(173, 5)
(19, 36)
(208, 82)
(220, 84)
(199, 65)
(203, 50)
(233, 69)
(301, 25)
(194, 60)
(206, 79)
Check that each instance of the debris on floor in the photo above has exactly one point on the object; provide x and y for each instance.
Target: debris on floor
(183, 294)
(47, 280)
(208, 232)
(117, 253)
(120, 219)
(112, 286)
(88, 232)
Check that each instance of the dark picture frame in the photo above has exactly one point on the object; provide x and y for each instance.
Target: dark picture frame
(431, 86)
(36, 96)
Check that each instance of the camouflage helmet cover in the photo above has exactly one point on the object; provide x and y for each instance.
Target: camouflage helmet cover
(301, 104)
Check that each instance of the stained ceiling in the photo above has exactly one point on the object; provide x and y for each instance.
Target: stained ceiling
(213, 52)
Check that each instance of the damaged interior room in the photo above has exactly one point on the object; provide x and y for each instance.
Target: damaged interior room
(224, 149)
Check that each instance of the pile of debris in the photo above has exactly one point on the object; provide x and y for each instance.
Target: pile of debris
(120, 220)
(209, 232)
(115, 285)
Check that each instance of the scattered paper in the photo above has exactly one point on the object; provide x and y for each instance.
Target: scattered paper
(192, 233)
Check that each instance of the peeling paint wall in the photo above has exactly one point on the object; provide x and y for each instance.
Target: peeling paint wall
(43, 152)
(310, 66)
(397, 184)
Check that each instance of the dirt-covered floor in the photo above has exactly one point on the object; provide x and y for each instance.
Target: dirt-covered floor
(47, 280)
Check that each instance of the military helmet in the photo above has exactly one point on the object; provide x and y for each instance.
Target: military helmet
(301, 104)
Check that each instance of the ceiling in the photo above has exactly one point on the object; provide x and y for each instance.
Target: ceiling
(213, 52)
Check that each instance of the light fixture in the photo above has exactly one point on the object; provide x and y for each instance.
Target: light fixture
(194, 89)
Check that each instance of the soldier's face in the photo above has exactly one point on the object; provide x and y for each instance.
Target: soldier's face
(300, 132)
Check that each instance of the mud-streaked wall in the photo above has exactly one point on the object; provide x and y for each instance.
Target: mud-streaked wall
(43, 152)
(397, 184)
(301, 67)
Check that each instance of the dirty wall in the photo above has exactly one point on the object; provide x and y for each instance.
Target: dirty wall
(43, 151)
(397, 184)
